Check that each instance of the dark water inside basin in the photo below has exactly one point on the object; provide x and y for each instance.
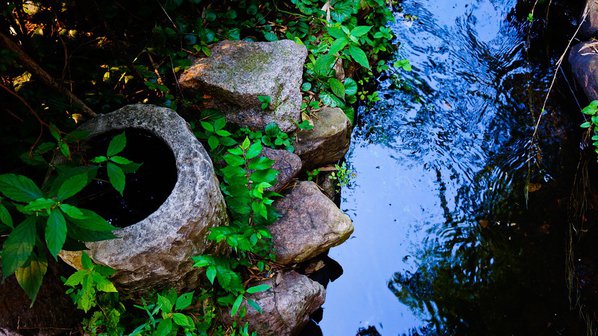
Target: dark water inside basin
(460, 219)
(145, 190)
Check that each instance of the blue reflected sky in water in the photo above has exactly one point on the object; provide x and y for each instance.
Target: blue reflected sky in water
(440, 155)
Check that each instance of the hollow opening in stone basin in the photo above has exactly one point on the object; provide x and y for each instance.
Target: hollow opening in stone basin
(145, 190)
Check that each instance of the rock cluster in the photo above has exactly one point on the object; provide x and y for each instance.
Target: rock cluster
(236, 75)
(155, 252)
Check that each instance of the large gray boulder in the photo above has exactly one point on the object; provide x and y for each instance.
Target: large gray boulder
(287, 164)
(238, 72)
(584, 64)
(156, 252)
(310, 224)
(286, 306)
(327, 142)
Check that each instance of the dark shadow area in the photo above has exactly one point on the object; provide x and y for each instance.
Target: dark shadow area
(145, 190)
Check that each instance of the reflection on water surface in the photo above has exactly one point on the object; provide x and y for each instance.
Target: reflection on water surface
(460, 228)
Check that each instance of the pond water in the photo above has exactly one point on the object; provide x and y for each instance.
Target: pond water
(459, 221)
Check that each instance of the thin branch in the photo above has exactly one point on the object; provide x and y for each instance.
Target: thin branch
(32, 111)
(33, 67)
(556, 72)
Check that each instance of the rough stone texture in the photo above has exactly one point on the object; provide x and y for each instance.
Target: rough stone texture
(286, 306)
(238, 72)
(155, 252)
(287, 163)
(589, 27)
(327, 142)
(584, 63)
(310, 224)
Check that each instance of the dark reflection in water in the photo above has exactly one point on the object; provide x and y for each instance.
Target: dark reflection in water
(460, 228)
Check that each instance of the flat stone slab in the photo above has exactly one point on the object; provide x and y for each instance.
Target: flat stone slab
(156, 252)
(239, 72)
(286, 306)
(327, 142)
(310, 224)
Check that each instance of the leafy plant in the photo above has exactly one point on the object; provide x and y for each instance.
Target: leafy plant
(592, 111)
(342, 175)
(49, 214)
(215, 133)
(166, 315)
(117, 166)
(222, 269)
(86, 283)
(265, 102)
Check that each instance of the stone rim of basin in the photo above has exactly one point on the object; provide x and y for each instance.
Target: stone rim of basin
(155, 252)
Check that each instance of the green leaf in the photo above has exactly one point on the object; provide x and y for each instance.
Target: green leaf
(359, 56)
(233, 160)
(183, 320)
(260, 163)
(254, 305)
(350, 87)
(404, 64)
(254, 150)
(337, 87)
(207, 126)
(165, 304)
(184, 301)
(39, 204)
(30, 277)
(258, 288)
(72, 211)
(360, 30)
(338, 45)
(336, 32)
(586, 124)
(89, 221)
(5, 216)
(116, 177)
(164, 328)
(72, 186)
(213, 142)
(64, 149)
(120, 160)
(54, 132)
(86, 261)
(76, 278)
(246, 143)
(117, 144)
(265, 175)
(323, 64)
(18, 246)
(55, 232)
(103, 284)
(19, 188)
(236, 305)
(211, 274)
(219, 124)
(99, 159)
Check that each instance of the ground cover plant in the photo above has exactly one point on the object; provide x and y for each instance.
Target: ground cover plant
(64, 62)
